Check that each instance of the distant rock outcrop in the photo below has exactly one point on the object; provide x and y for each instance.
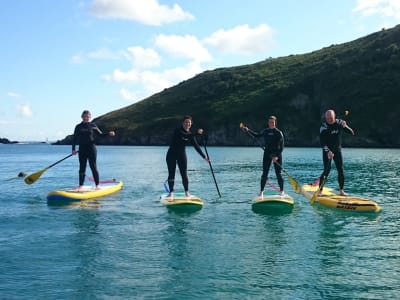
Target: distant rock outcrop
(6, 141)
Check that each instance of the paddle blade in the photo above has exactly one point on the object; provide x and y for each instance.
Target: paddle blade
(296, 187)
(314, 196)
(33, 177)
(319, 190)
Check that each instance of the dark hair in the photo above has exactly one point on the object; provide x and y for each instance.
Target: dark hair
(85, 112)
(187, 117)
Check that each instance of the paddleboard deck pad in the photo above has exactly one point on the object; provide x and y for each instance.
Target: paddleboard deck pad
(273, 199)
(85, 193)
(179, 200)
(331, 198)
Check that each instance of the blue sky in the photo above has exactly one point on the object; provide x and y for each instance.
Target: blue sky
(60, 57)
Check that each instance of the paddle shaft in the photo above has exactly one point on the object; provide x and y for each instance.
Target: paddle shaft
(321, 186)
(35, 176)
(211, 168)
(57, 162)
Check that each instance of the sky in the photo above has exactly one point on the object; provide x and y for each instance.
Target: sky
(58, 58)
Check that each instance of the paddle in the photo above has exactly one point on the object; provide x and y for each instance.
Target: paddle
(296, 187)
(346, 113)
(318, 190)
(209, 162)
(35, 176)
(273, 187)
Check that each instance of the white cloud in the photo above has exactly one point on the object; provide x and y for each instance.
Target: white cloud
(187, 46)
(120, 76)
(155, 82)
(149, 12)
(242, 39)
(14, 95)
(151, 82)
(386, 8)
(24, 110)
(143, 58)
(128, 95)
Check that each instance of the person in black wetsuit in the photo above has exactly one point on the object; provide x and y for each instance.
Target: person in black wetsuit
(176, 154)
(84, 136)
(330, 134)
(274, 144)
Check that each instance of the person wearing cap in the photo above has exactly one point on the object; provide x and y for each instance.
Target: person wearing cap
(273, 147)
(84, 136)
(176, 154)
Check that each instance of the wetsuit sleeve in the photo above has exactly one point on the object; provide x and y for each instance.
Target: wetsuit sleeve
(196, 146)
(97, 131)
(255, 134)
(75, 138)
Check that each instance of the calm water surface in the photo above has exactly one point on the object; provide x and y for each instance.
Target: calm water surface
(128, 246)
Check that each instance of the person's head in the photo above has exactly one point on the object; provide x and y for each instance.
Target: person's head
(86, 116)
(330, 116)
(187, 122)
(272, 121)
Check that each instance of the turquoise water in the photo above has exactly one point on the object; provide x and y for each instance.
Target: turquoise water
(128, 245)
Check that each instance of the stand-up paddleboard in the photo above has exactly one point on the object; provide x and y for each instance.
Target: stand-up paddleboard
(272, 201)
(85, 193)
(333, 199)
(180, 202)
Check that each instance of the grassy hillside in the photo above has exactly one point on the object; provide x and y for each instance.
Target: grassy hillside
(362, 76)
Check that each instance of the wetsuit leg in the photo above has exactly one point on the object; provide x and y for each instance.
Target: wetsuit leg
(338, 159)
(171, 164)
(327, 167)
(278, 172)
(266, 165)
(182, 164)
(92, 156)
(83, 156)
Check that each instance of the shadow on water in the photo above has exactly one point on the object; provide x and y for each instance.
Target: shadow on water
(184, 210)
(272, 210)
(74, 204)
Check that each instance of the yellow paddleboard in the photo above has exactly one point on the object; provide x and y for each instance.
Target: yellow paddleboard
(331, 198)
(87, 192)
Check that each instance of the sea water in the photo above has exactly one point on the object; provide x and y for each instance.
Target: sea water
(129, 246)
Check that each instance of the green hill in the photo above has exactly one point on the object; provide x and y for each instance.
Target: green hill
(362, 76)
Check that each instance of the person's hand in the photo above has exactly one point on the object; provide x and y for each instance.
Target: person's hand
(74, 152)
(275, 159)
(200, 131)
(111, 133)
(245, 128)
(330, 155)
(343, 123)
(207, 159)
